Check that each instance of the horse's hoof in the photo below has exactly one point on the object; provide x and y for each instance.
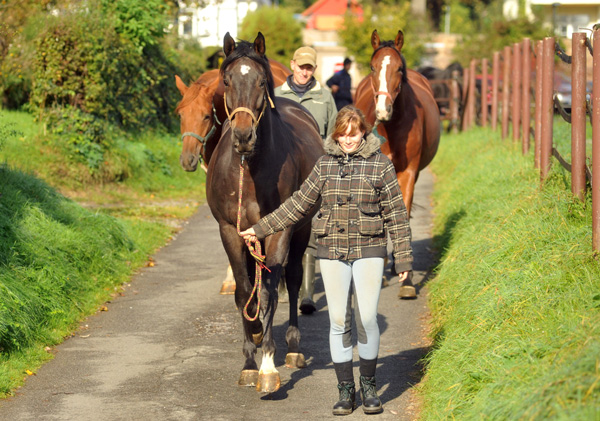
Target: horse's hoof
(227, 288)
(268, 382)
(407, 291)
(248, 378)
(295, 360)
(257, 338)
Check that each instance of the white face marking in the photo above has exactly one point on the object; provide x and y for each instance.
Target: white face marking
(244, 69)
(382, 85)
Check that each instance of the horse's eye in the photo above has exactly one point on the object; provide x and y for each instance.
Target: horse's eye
(400, 70)
(206, 117)
(263, 83)
(372, 68)
(225, 82)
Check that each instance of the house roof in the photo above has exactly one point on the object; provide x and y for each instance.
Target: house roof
(333, 7)
(325, 10)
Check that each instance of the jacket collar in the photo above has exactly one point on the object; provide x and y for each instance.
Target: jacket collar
(286, 87)
(369, 146)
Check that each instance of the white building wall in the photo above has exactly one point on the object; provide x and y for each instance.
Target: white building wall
(210, 23)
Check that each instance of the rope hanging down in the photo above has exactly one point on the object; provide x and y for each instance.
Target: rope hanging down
(255, 251)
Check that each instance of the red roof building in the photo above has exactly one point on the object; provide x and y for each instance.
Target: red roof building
(328, 15)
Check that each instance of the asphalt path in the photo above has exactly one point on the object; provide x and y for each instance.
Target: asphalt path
(170, 347)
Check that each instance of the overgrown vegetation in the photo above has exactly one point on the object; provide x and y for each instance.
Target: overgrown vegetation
(516, 299)
(283, 34)
(388, 19)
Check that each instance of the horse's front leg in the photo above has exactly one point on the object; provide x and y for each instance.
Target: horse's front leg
(276, 249)
(236, 251)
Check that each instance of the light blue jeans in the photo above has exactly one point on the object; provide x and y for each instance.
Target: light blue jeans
(342, 279)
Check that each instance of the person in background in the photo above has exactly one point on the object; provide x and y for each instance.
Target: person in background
(341, 85)
(302, 87)
(361, 202)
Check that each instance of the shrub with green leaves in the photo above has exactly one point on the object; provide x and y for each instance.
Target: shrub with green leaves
(283, 34)
(388, 19)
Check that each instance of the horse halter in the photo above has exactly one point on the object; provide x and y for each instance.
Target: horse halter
(204, 139)
(248, 110)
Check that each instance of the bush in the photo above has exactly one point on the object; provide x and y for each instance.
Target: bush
(82, 61)
(387, 19)
(283, 35)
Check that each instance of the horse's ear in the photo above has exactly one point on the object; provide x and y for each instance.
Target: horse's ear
(399, 41)
(259, 44)
(228, 44)
(180, 85)
(375, 39)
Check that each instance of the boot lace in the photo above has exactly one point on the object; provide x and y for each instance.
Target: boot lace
(368, 386)
(347, 390)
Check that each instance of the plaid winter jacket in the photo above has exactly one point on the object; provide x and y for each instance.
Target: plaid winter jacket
(361, 202)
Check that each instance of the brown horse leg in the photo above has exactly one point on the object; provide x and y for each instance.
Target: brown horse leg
(238, 259)
(228, 286)
(294, 269)
(407, 184)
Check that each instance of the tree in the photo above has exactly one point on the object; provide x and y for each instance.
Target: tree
(387, 19)
(283, 34)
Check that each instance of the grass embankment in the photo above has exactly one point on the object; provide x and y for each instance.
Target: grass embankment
(59, 260)
(516, 299)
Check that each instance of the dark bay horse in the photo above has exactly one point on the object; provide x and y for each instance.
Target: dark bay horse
(399, 102)
(273, 143)
(202, 113)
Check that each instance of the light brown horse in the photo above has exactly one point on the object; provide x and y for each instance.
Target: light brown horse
(400, 104)
(202, 113)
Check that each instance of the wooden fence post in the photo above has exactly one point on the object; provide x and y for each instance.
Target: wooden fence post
(596, 145)
(526, 74)
(455, 99)
(472, 102)
(516, 92)
(547, 107)
(505, 91)
(539, 62)
(465, 100)
(495, 83)
(484, 92)
(578, 115)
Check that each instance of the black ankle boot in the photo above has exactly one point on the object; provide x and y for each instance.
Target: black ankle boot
(368, 395)
(347, 401)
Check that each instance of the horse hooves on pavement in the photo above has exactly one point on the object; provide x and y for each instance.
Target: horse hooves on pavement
(268, 382)
(407, 292)
(295, 360)
(227, 288)
(248, 378)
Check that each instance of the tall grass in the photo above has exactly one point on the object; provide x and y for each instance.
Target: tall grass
(60, 261)
(516, 299)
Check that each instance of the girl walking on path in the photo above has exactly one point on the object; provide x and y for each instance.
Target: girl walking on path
(361, 203)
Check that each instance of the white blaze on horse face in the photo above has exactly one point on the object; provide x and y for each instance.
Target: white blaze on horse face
(244, 69)
(380, 109)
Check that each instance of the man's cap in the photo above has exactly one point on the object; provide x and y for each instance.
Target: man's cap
(305, 55)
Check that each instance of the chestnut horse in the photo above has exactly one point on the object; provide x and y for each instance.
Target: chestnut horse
(268, 147)
(400, 104)
(202, 113)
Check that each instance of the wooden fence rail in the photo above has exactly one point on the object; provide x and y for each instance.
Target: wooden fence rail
(510, 104)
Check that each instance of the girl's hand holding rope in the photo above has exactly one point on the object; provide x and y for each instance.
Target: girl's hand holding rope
(249, 235)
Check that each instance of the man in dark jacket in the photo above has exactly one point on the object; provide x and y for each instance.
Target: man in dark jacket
(340, 84)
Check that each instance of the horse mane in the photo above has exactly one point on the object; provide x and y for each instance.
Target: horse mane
(246, 49)
(391, 45)
(194, 90)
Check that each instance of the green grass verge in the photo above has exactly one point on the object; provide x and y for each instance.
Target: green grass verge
(516, 298)
(67, 241)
